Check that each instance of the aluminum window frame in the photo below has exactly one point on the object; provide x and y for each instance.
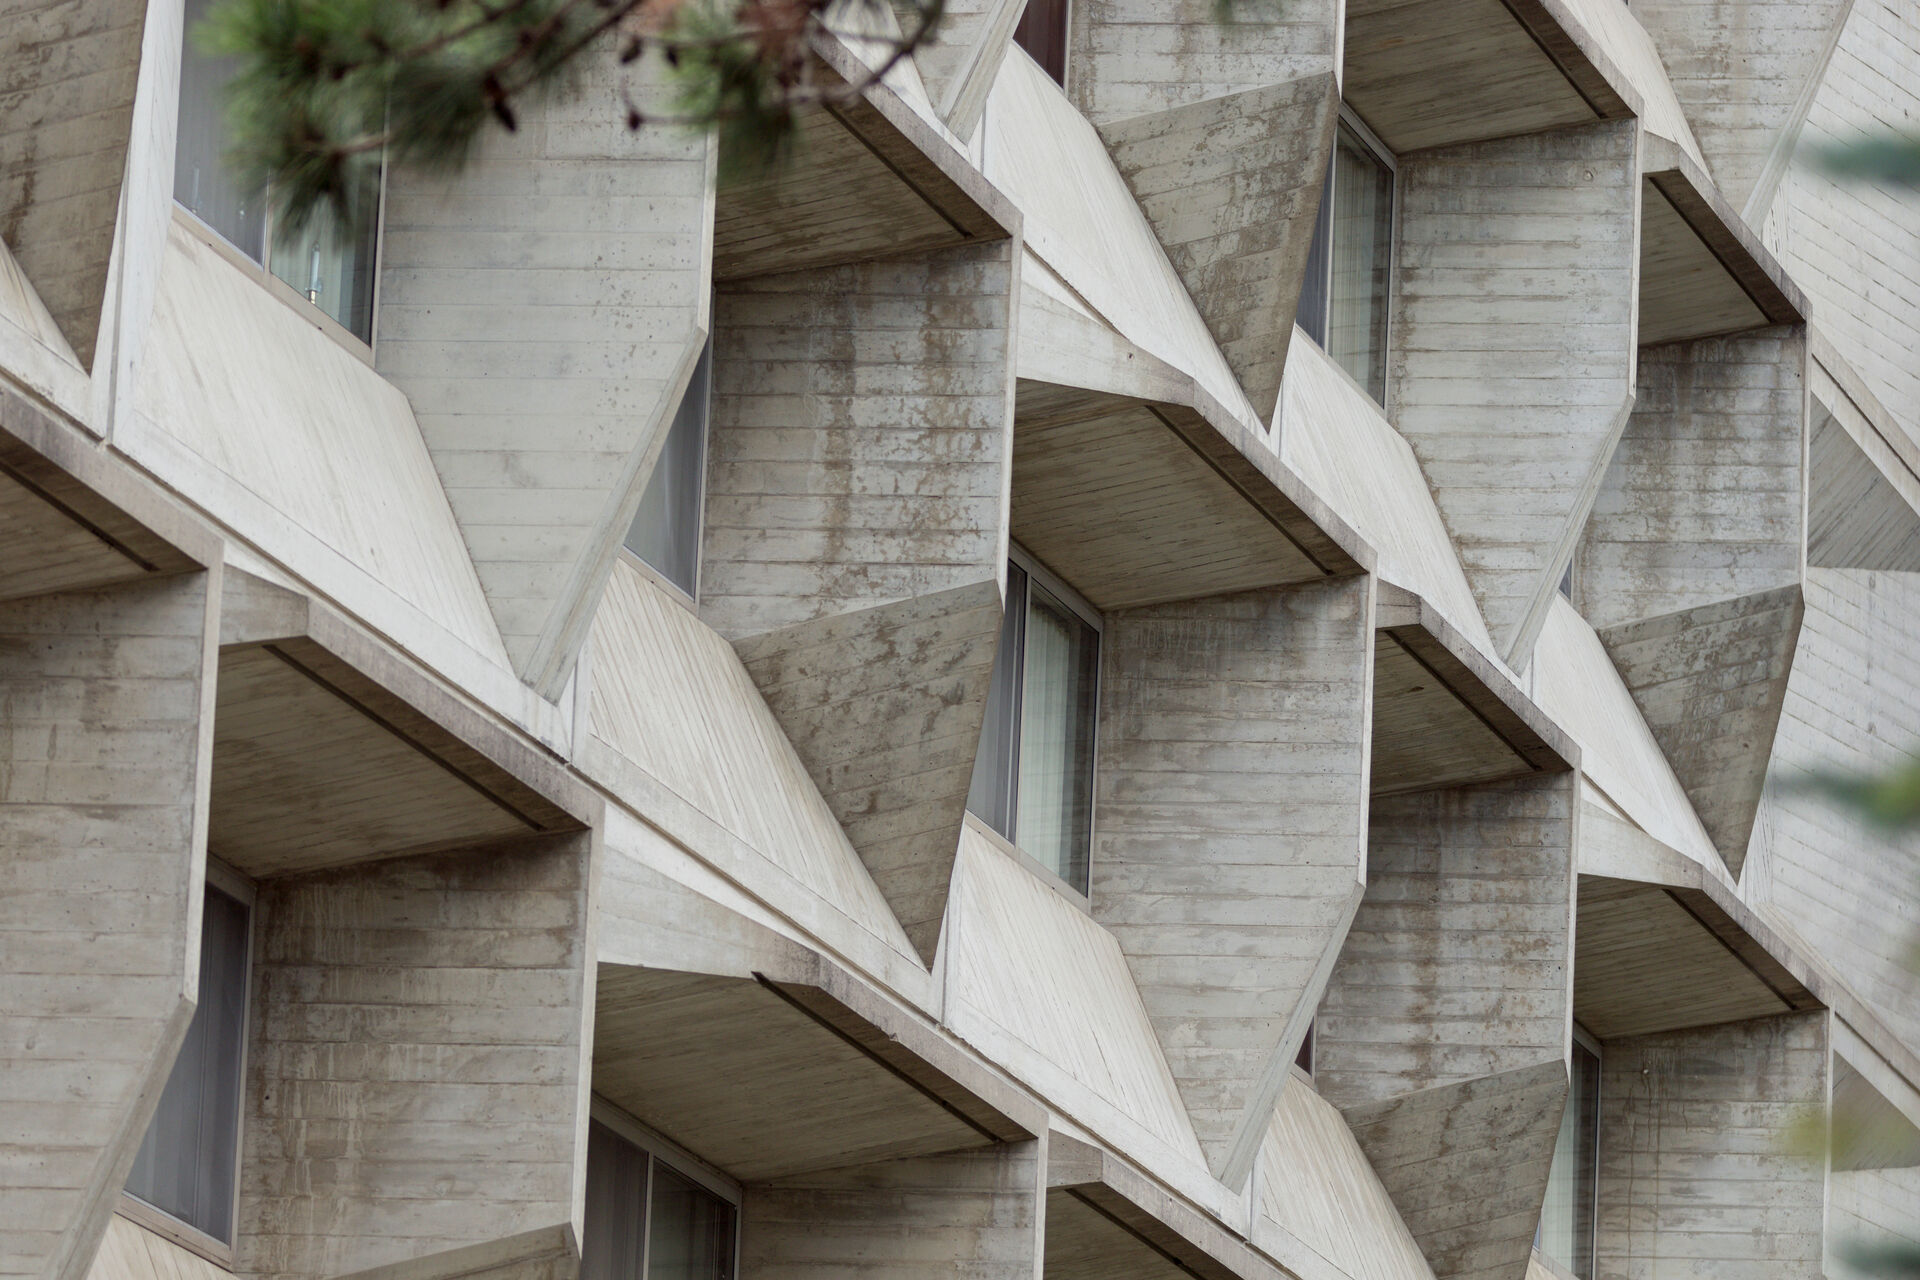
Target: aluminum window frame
(657, 1147)
(151, 1217)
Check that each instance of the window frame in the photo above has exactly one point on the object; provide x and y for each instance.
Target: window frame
(1583, 1039)
(1350, 119)
(1082, 609)
(704, 359)
(658, 1147)
(151, 1217)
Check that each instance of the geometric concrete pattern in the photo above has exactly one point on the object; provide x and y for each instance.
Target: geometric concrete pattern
(1463, 459)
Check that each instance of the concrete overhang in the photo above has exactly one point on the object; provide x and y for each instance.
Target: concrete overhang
(1139, 501)
(1444, 715)
(73, 520)
(869, 178)
(792, 1068)
(1107, 1218)
(328, 748)
(1703, 272)
(1651, 958)
(1434, 73)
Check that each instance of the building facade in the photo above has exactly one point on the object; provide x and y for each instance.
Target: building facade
(1192, 647)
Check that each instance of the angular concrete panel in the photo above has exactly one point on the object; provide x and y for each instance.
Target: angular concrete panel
(1744, 71)
(1129, 58)
(1861, 497)
(855, 535)
(68, 69)
(417, 1066)
(1703, 501)
(543, 309)
(979, 1215)
(1710, 682)
(108, 700)
(1697, 1155)
(1229, 832)
(963, 56)
(1511, 370)
(1443, 1034)
(1232, 186)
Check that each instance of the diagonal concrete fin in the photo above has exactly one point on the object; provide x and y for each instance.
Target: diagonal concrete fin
(961, 60)
(1467, 1163)
(67, 75)
(1513, 348)
(546, 364)
(1744, 71)
(1228, 859)
(1231, 186)
(884, 708)
(1863, 503)
(1710, 682)
(861, 439)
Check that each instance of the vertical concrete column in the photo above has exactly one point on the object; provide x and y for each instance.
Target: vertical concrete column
(106, 731)
(1699, 1173)
(974, 1214)
(417, 1070)
(1444, 1034)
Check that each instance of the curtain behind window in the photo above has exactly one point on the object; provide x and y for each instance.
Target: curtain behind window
(1057, 710)
(1362, 245)
(201, 181)
(666, 529)
(1566, 1217)
(616, 1219)
(692, 1233)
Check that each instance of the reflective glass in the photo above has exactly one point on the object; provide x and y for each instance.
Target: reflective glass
(201, 180)
(1566, 1217)
(692, 1231)
(666, 529)
(1053, 809)
(1362, 242)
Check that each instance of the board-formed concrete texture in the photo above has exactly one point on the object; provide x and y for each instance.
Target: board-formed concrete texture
(1435, 733)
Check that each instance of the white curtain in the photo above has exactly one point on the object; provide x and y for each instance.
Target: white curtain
(1056, 740)
(1362, 242)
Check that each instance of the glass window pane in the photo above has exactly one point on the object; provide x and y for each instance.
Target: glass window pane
(1362, 244)
(990, 796)
(1312, 314)
(666, 529)
(616, 1220)
(1566, 1217)
(201, 180)
(185, 1165)
(1043, 34)
(332, 264)
(1053, 813)
(692, 1231)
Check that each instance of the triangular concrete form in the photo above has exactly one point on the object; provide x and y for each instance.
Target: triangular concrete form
(854, 541)
(1442, 1037)
(884, 707)
(1514, 410)
(1231, 848)
(1860, 515)
(963, 56)
(1710, 682)
(1745, 71)
(1466, 1165)
(1231, 186)
(67, 77)
(546, 364)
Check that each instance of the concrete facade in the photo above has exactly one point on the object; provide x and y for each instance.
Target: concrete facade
(1439, 741)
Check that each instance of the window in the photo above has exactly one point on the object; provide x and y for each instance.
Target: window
(1343, 300)
(1033, 776)
(1566, 1218)
(648, 1219)
(666, 529)
(1043, 34)
(187, 1164)
(330, 264)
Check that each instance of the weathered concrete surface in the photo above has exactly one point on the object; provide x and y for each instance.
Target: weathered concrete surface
(108, 707)
(1512, 365)
(417, 1075)
(67, 74)
(1443, 1035)
(973, 1214)
(1697, 1162)
(855, 535)
(1230, 839)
